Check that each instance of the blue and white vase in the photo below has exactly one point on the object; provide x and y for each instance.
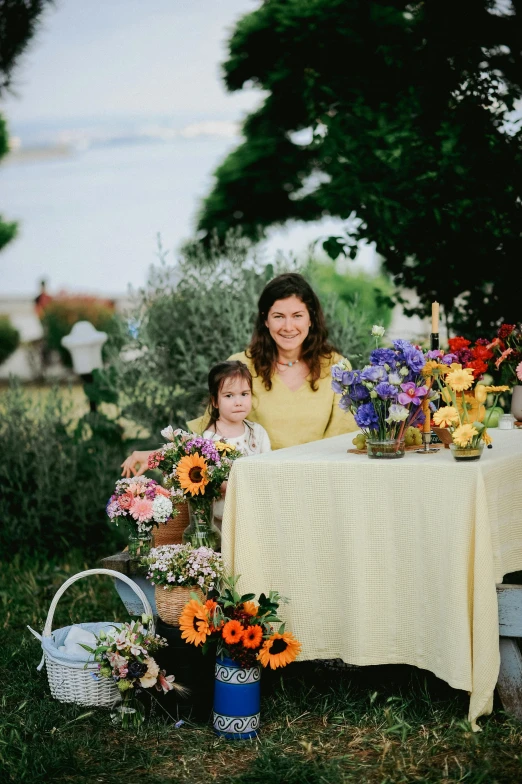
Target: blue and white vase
(237, 700)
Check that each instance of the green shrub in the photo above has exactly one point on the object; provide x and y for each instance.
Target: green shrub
(60, 315)
(196, 313)
(9, 339)
(56, 475)
(370, 294)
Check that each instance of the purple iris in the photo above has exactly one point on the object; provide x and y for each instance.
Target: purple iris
(411, 393)
(386, 391)
(366, 416)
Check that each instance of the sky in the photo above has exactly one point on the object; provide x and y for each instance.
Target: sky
(100, 64)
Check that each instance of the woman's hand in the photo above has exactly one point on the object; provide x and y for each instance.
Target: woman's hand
(136, 464)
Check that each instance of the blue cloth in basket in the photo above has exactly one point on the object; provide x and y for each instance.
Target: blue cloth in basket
(52, 644)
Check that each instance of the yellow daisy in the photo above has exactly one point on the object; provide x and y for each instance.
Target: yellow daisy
(481, 393)
(434, 368)
(222, 446)
(464, 435)
(486, 437)
(459, 380)
(497, 390)
(446, 416)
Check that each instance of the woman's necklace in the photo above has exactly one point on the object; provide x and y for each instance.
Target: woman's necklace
(287, 364)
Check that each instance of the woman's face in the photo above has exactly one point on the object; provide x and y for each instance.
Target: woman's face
(288, 322)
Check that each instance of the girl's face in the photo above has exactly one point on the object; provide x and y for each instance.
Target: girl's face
(288, 322)
(234, 400)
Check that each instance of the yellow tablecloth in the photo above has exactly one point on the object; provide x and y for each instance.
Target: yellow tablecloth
(383, 561)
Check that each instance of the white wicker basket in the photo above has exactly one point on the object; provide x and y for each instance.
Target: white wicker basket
(73, 681)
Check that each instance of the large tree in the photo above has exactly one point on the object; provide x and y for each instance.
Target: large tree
(404, 110)
(19, 20)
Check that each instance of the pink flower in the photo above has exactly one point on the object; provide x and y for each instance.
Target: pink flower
(141, 509)
(411, 394)
(125, 501)
(519, 371)
(165, 681)
(502, 357)
(161, 491)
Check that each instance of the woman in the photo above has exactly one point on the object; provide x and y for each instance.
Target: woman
(290, 358)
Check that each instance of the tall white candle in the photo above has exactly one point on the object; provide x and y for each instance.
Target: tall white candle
(435, 317)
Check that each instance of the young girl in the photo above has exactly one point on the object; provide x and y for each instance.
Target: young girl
(230, 388)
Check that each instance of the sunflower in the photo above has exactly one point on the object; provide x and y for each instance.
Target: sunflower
(193, 623)
(232, 632)
(250, 609)
(279, 650)
(497, 390)
(192, 473)
(464, 434)
(459, 380)
(446, 416)
(252, 636)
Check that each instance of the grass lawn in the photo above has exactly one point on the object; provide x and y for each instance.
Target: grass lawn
(319, 725)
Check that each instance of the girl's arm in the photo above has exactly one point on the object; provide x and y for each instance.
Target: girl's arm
(136, 464)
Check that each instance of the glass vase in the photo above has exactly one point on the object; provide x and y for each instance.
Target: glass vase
(130, 712)
(466, 453)
(201, 530)
(139, 544)
(386, 449)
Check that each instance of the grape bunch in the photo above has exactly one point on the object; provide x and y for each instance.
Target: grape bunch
(359, 441)
(412, 436)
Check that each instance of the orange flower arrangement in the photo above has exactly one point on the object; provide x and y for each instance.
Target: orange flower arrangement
(241, 628)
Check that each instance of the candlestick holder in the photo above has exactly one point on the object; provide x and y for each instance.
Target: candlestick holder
(426, 441)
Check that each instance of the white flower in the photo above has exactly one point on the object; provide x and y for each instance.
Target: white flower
(161, 508)
(397, 413)
(151, 676)
(378, 331)
(169, 433)
(394, 379)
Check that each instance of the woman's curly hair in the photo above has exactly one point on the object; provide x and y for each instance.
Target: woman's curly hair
(263, 349)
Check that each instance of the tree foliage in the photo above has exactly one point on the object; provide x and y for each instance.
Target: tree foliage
(399, 114)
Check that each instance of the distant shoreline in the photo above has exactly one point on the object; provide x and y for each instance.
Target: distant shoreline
(29, 154)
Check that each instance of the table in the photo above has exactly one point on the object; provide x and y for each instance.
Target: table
(383, 561)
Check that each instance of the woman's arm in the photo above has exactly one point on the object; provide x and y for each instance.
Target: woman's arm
(136, 464)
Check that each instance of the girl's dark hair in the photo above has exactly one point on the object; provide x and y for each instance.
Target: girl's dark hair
(217, 375)
(263, 350)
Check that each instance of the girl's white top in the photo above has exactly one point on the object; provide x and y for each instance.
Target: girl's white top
(253, 441)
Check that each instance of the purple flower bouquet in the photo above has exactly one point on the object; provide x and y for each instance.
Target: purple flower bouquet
(387, 395)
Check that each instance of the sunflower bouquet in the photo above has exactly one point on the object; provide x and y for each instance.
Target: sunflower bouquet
(241, 627)
(464, 414)
(195, 469)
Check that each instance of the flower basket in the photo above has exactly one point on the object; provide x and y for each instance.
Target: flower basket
(171, 601)
(72, 681)
(171, 532)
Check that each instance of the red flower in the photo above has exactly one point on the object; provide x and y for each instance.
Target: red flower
(505, 330)
(478, 367)
(481, 352)
(455, 344)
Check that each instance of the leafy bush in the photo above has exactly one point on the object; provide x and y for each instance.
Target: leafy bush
(64, 311)
(56, 475)
(9, 339)
(199, 312)
(371, 294)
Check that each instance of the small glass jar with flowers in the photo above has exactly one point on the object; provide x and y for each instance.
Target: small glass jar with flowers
(195, 469)
(179, 570)
(141, 504)
(242, 629)
(464, 415)
(385, 396)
